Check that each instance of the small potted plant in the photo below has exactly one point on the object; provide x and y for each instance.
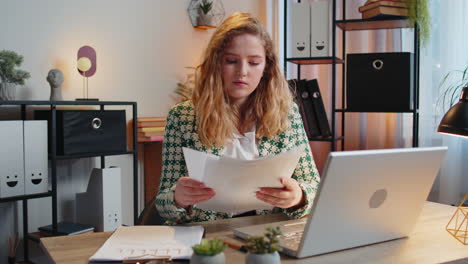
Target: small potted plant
(10, 76)
(208, 252)
(204, 17)
(264, 249)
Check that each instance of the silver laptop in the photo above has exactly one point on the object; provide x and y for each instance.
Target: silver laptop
(365, 197)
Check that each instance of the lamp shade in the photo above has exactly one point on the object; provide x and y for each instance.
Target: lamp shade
(86, 61)
(455, 121)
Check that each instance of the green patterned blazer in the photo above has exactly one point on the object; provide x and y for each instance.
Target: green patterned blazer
(181, 131)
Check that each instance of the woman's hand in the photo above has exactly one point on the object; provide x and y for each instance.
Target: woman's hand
(289, 196)
(189, 192)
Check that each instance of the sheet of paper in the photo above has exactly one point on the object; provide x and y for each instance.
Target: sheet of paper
(149, 242)
(236, 181)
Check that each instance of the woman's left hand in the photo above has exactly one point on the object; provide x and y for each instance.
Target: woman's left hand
(289, 196)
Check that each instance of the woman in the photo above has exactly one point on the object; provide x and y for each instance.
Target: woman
(241, 107)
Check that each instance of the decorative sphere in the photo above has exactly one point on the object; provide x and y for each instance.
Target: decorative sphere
(84, 64)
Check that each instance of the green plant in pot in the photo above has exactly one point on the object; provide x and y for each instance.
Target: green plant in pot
(204, 17)
(9, 76)
(208, 252)
(264, 249)
(418, 13)
(451, 88)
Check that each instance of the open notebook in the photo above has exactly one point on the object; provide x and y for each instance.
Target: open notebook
(149, 242)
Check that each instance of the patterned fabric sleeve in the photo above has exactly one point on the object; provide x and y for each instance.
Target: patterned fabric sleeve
(173, 168)
(306, 173)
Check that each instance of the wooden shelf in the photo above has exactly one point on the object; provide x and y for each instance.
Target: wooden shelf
(315, 60)
(369, 24)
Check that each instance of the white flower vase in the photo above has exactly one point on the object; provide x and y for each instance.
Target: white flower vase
(7, 91)
(201, 259)
(269, 258)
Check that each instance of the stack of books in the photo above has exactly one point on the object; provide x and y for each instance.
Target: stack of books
(151, 128)
(383, 9)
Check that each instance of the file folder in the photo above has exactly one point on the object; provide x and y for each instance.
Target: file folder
(11, 161)
(35, 156)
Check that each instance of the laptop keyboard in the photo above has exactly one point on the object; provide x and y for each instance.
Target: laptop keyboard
(292, 234)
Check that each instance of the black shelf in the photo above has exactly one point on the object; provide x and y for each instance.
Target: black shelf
(26, 197)
(41, 102)
(91, 155)
(385, 22)
(329, 139)
(354, 111)
(374, 24)
(315, 60)
(53, 157)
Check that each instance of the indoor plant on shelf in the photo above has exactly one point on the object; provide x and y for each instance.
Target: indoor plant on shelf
(208, 252)
(204, 17)
(418, 13)
(264, 249)
(9, 76)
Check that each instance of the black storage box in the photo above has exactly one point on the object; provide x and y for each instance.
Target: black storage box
(379, 82)
(87, 131)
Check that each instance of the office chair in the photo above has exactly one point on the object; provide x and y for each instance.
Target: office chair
(150, 216)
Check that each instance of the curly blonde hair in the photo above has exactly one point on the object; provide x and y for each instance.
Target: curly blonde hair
(268, 106)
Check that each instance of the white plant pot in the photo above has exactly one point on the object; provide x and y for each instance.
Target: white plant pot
(7, 91)
(200, 259)
(204, 20)
(270, 258)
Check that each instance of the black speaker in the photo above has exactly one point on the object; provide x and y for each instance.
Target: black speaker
(379, 82)
(87, 131)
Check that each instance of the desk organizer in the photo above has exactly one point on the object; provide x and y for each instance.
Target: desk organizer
(458, 224)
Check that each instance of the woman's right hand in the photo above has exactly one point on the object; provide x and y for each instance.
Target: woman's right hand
(189, 192)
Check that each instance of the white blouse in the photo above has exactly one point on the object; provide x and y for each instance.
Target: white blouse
(242, 146)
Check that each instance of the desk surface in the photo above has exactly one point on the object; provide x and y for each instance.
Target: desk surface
(428, 243)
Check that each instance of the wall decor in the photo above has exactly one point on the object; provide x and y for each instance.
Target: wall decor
(205, 14)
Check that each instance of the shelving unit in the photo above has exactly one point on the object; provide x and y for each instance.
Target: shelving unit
(53, 157)
(334, 60)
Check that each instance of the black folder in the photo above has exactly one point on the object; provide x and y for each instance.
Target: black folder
(319, 108)
(302, 98)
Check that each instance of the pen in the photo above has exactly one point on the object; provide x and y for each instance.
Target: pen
(159, 259)
(234, 245)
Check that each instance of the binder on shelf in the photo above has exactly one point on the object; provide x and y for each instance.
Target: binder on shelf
(300, 29)
(319, 108)
(35, 156)
(293, 87)
(320, 26)
(306, 108)
(12, 159)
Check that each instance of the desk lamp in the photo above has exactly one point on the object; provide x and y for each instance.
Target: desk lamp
(86, 65)
(455, 122)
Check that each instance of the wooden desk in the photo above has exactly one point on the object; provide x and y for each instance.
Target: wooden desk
(428, 243)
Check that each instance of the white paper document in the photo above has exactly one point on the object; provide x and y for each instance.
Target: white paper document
(235, 181)
(149, 242)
